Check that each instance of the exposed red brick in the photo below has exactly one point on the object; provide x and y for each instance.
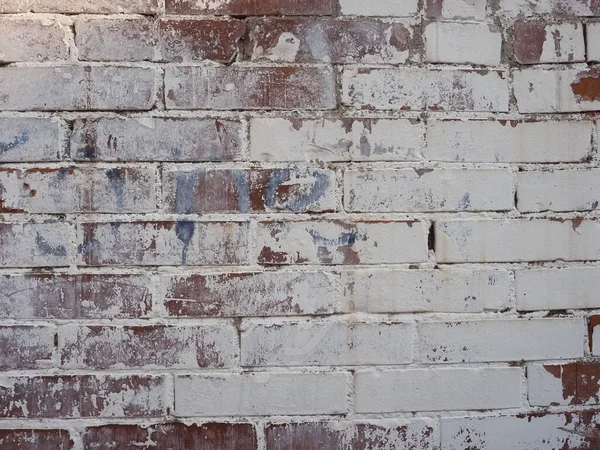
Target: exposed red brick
(580, 381)
(35, 440)
(251, 7)
(208, 436)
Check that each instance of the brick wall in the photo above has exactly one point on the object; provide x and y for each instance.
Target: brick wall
(299, 224)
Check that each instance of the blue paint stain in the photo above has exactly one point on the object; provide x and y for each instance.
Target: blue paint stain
(299, 203)
(185, 231)
(116, 178)
(48, 249)
(344, 239)
(240, 178)
(20, 139)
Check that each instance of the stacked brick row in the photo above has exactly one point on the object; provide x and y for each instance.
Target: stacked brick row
(299, 224)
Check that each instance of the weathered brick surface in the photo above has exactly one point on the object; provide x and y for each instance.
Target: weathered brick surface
(156, 139)
(158, 40)
(230, 191)
(73, 396)
(106, 347)
(328, 41)
(253, 294)
(299, 224)
(77, 88)
(207, 436)
(422, 89)
(250, 87)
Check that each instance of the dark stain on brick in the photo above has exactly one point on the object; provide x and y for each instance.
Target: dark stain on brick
(586, 86)
(434, 9)
(90, 140)
(422, 171)
(20, 139)
(117, 178)
(400, 37)
(185, 231)
(269, 256)
(529, 41)
(593, 321)
(47, 249)
(35, 439)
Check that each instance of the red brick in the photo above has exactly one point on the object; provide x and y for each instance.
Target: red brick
(250, 87)
(327, 40)
(61, 296)
(35, 440)
(163, 243)
(75, 396)
(207, 436)
(263, 293)
(250, 7)
(162, 40)
(239, 190)
(26, 347)
(538, 41)
(363, 435)
(110, 347)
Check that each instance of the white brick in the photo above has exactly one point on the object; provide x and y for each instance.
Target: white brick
(382, 8)
(500, 340)
(522, 432)
(557, 90)
(562, 190)
(595, 340)
(423, 89)
(508, 141)
(575, 383)
(34, 244)
(517, 240)
(462, 43)
(593, 41)
(77, 88)
(341, 242)
(32, 40)
(513, 8)
(293, 139)
(30, 139)
(422, 190)
(437, 389)
(326, 343)
(81, 6)
(456, 9)
(447, 290)
(537, 42)
(261, 393)
(567, 288)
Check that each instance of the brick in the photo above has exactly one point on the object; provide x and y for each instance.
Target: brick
(26, 347)
(200, 190)
(292, 139)
(425, 89)
(251, 7)
(328, 41)
(557, 90)
(77, 88)
(513, 8)
(174, 435)
(399, 434)
(561, 190)
(383, 8)
(261, 393)
(551, 289)
(24, 139)
(73, 396)
(326, 343)
(572, 430)
(594, 334)
(32, 40)
(162, 40)
(263, 293)
(341, 242)
(456, 9)
(506, 141)
(34, 244)
(517, 240)
(446, 290)
(163, 243)
(150, 346)
(593, 41)
(86, 296)
(422, 190)
(81, 6)
(250, 87)
(78, 189)
(538, 41)
(406, 390)
(28, 439)
(157, 139)
(576, 383)
(462, 43)
(505, 340)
